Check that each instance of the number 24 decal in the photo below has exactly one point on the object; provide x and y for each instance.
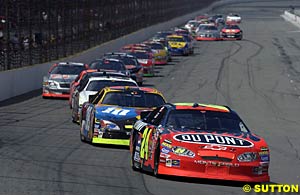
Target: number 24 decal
(116, 111)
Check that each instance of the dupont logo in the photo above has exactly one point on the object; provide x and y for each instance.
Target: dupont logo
(213, 139)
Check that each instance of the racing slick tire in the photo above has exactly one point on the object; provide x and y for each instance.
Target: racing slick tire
(82, 138)
(156, 160)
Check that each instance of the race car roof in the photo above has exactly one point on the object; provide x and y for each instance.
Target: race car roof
(204, 107)
(144, 89)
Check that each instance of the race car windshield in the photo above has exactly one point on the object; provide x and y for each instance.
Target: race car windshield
(133, 99)
(185, 120)
(108, 65)
(176, 39)
(67, 69)
(98, 85)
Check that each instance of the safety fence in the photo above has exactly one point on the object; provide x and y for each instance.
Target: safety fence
(38, 31)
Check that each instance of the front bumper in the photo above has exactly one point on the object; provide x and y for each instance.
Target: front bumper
(148, 70)
(199, 38)
(160, 60)
(56, 93)
(121, 142)
(231, 36)
(114, 137)
(216, 170)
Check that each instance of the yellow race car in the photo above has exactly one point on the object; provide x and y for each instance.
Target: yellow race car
(178, 45)
(109, 115)
(160, 53)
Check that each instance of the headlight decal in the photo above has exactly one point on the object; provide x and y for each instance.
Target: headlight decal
(180, 151)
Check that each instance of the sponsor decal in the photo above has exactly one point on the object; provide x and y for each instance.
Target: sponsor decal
(168, 141)
(136, 156)
(264, 153)
(175, 163)
(172, 163)
(139, 125)
(180, 151)
(165, 150)
(264, 158)
(264, 149)
(162, 155)
(217, 164)
(213, 139)
(214, 147)
(166, 145)
(100, 134)
(116, 111)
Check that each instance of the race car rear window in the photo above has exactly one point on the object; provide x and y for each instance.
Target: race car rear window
(108, 65)
(133, 99)
(98, 85)
(176, 39)
(205, 120)
(67, 69)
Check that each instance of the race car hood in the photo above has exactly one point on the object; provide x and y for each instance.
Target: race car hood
(177, 44)
(237, 141)
(117, 113)
(208, 31)
(62, 77)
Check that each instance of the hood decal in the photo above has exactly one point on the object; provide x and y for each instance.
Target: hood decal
(198, 138)
(115, 113)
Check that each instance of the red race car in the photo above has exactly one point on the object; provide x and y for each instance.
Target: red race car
(231, 32)
(146, 59)
(198, 140)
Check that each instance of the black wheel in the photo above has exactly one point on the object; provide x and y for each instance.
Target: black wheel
(140, 83)
(135, 165)
(156, 160)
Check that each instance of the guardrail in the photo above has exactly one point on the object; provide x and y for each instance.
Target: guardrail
(38, 31)
(23, 80)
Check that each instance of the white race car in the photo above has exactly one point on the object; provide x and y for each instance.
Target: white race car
(233, 18)
(91, 86)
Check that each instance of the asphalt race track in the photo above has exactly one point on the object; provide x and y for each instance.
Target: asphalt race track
(259, 77)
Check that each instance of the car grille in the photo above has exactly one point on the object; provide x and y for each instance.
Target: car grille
(64, 85)
(217, 158)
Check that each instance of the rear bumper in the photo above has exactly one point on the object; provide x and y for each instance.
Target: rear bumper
(56, 95)
(148, 70)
